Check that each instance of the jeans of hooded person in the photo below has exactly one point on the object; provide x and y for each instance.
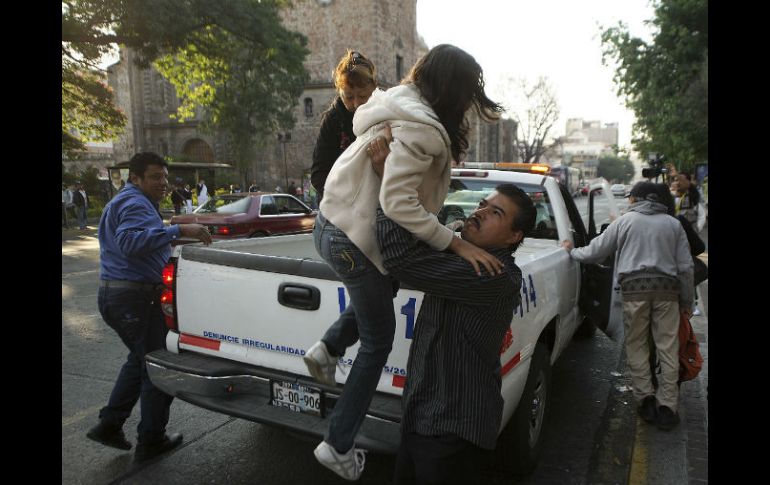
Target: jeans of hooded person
(137, 318)
(369, 317)
(80, 210)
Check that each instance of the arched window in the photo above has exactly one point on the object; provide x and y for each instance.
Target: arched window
(308, 107)
(198, 150)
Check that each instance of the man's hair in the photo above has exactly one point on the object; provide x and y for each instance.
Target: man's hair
(139, 162)
(452, 82)
(645, 191)
(524, 220)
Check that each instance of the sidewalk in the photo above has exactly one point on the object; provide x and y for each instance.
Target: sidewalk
(679, 456)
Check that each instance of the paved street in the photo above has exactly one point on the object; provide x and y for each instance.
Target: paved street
(593, 435)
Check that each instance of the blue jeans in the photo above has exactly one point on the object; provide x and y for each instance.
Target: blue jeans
(137, 318)
(369, 317)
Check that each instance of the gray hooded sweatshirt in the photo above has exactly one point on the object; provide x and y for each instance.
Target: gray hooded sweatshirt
(647, 243)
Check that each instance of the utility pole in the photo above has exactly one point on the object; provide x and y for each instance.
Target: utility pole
(284, 138)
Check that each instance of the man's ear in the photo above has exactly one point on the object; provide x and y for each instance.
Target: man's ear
(514, 237)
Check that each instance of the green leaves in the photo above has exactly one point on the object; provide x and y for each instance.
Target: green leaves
(231, 58)
(614, 168)
(666, 82)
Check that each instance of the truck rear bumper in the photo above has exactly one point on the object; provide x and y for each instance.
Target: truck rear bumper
(243, 391)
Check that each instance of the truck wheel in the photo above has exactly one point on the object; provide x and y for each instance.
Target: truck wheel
(587, 329)
(258, 234)
(520, 442)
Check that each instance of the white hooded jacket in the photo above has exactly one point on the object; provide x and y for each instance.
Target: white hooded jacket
(415, 179)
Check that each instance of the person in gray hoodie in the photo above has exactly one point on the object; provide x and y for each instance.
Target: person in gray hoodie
(426, 116)
(655, 271)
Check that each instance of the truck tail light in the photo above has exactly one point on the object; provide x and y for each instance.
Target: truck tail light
(222, 231)
(167, 303)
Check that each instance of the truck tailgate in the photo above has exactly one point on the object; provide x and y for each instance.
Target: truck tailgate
(275, 334)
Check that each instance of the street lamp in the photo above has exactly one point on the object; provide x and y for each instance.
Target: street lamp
(284, 138)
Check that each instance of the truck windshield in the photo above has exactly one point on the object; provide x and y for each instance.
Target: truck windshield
(464, 196)
(225, 205)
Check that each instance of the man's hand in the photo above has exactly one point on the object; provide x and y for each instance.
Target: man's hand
(378, 150)
(475, 255)
(195, 231)
(567, 245)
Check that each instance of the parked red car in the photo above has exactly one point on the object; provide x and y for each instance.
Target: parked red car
(253, 214)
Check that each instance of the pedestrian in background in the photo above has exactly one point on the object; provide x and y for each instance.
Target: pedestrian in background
(655, 271)
(203, 192)
(80, 201)
(355, 78)
(187, 194)
(66, 201)
(253, 187)
(134, 246)
(689, 203)
(427, 114)
(177, 199)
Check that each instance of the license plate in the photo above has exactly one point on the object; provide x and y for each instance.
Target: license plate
(297, 397)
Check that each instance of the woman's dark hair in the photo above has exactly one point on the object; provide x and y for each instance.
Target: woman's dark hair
(451, 81)
(665, 197)
(692, 191)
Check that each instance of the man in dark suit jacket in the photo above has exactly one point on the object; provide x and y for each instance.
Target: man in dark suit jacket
(80, 199)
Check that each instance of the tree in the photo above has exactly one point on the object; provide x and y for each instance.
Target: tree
(535, 109)
(615, 168)
(666, 82)
(231, 57)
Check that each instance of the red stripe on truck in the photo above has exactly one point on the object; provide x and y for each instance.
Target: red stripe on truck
(399, 381)
(206, 343)
(510, 364)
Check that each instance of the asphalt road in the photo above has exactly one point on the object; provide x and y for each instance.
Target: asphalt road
(590, 432)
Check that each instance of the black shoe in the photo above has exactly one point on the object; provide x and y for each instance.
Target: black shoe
(109, 436)
(667, 419)
(647, 410)
(147, 451)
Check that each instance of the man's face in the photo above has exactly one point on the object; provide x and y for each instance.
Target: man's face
(491, 224)
(154, 184)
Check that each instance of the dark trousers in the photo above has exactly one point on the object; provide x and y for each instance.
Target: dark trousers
(446, 459)
(137, 318)
(64, 222)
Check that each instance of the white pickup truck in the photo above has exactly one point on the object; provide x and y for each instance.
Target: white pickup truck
(243, 313)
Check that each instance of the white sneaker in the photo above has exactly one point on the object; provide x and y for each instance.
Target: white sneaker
(320, 363)
(349, 465)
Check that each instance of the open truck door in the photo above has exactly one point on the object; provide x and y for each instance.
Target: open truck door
(597, 289)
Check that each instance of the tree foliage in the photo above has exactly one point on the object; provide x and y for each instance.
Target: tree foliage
(535, 109)
(233, 58)
(615, 168)
(665, 82)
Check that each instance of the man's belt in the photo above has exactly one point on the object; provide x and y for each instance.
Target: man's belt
(134, 285)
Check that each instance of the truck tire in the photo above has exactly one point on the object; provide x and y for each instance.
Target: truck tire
(586, 330)
(258, 234)
(519, 445)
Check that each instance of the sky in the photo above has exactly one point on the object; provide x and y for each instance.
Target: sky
(559, 39)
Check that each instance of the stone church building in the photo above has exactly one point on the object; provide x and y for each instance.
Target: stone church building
(382, 30)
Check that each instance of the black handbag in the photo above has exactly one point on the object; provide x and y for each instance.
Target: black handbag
(701, 271)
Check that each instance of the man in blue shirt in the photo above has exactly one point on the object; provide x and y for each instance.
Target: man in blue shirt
(134, 248)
